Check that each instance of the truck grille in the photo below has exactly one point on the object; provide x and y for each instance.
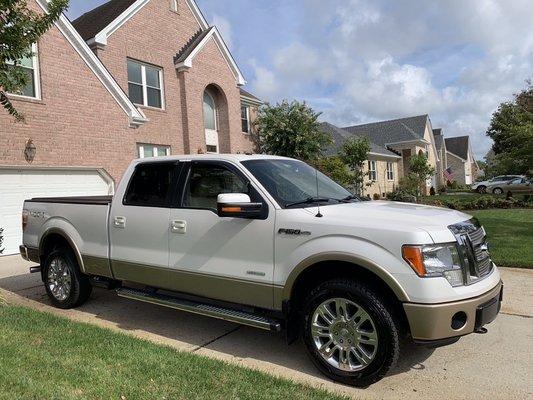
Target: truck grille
(474, 250)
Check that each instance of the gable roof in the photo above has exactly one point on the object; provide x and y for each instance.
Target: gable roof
(186, 55)
(439, 139)
(340, 136)
(136, 117)
(394, 131)
(458, 146)
(92, 22)
(250, 98)
(97, 25)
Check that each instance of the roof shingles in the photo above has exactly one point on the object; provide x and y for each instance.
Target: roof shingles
(458, 146)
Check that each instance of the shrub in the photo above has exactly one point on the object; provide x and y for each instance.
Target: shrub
(432, 191)
(376, 196)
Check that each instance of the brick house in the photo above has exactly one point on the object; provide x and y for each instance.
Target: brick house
(102, 94)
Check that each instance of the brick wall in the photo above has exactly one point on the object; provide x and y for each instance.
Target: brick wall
(155, 35)
(77, 122)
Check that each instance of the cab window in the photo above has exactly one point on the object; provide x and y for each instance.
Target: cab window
(150, 185)
(206, 181)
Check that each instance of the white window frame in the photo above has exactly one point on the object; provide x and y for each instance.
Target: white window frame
(247, 119)
(372, 170)
(141, 147)
(36, 76)
(390, 171)
(174, 6)
(145, 85)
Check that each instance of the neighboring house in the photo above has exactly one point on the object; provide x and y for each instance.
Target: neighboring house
(382, 168)
(133, 78)
(442, 164)
(405, 136)
(461, 160)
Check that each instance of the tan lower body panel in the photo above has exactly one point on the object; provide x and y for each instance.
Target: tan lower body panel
(433, 321)
(97, 266)
(213, 287)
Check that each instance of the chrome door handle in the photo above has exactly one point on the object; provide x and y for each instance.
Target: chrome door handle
(119, 222)
(178, 226)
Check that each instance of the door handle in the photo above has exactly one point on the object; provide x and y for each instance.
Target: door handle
(119, 222)
(178, 226)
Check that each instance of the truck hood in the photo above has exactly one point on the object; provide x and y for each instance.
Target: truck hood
(394, 216)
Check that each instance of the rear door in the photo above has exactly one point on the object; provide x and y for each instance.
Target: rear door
(229, 259)
(139, 224)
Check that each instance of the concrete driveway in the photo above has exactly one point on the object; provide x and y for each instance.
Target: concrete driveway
(498, 365)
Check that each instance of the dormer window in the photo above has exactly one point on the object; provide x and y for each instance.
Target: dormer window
(174, 5)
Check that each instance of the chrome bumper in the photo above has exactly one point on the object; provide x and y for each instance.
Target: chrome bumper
(440, 321)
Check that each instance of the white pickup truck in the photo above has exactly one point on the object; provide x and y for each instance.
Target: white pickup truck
(271, 243)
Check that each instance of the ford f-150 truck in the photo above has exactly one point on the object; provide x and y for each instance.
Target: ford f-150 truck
(272, 243)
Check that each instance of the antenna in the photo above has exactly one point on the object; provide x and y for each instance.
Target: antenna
(319, 214)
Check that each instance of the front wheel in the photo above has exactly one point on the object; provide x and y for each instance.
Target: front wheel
(65, 285)
(350, 333)
(481, 189)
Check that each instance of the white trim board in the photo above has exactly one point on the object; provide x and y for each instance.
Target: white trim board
(219, 41)
(102, 36)
(136, 117)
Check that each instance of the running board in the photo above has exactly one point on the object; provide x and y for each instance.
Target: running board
(202, 309)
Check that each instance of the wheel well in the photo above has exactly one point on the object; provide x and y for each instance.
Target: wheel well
(52, 242)
(323, 271)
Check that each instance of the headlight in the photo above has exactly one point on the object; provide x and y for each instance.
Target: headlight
(435, 260)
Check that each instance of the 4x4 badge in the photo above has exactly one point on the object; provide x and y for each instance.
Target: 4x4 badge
(294, 232)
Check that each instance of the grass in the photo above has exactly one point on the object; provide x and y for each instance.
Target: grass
(510, 235)
(47, 357)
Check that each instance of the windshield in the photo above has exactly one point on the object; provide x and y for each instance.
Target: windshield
(294, 183)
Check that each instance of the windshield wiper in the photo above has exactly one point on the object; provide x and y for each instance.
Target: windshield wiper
(351, 197)
(312, 200)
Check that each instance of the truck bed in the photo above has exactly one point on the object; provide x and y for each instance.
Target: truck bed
(89, 200)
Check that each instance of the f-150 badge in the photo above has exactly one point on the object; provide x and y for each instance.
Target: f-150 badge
(294, 232)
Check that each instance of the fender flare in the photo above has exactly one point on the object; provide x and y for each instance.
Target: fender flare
(64, 235)
(363, 262)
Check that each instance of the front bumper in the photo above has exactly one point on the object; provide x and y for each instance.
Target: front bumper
(433, 322)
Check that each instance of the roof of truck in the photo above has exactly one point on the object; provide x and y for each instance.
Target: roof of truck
(216, 157)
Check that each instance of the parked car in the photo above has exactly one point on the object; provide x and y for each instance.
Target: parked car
(515, 186)
(272, 243)
(481, 187)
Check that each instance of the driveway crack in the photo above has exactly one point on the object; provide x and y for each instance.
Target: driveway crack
(215, 339)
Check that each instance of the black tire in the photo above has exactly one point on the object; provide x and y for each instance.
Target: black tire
(497, 191)
(386, 326)
(80, 285)
(481, 189)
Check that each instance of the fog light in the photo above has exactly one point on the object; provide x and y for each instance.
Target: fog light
(459, 320)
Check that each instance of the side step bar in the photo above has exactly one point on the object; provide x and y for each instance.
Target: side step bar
(202, 309)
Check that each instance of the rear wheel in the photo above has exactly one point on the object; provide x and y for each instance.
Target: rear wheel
(65, 285)
(350, 333)
(497, 191)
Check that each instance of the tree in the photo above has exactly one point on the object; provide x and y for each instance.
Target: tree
(336, 169)
(354, 153)
(419, 172)
(20, 28)
(291, 130)
(511, 129)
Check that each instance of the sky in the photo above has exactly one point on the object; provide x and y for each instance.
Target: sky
(360, 61)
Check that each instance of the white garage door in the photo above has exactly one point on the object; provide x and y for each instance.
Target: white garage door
(17, 185)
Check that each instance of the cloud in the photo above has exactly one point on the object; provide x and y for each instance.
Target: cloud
(373, 60)
(224, 26)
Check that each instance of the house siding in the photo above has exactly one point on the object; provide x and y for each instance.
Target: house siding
(382, 185)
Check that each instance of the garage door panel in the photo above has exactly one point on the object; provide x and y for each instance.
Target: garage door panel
(19, 185)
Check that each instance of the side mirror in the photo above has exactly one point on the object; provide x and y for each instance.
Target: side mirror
(238, 205)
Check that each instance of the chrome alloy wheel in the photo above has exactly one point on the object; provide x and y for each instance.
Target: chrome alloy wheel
(344, 334)
(59, 280)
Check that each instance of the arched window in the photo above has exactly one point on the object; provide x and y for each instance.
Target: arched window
(210, 123)
(210, 112)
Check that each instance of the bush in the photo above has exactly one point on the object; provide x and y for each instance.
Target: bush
(376, 196)
(432, 191)
(476, 202)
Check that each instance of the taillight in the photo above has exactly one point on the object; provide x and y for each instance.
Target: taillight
(25, 215)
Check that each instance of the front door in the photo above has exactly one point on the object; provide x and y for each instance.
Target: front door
(228, 259)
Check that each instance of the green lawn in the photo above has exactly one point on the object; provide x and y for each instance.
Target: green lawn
(46, 357)
(510, 235)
